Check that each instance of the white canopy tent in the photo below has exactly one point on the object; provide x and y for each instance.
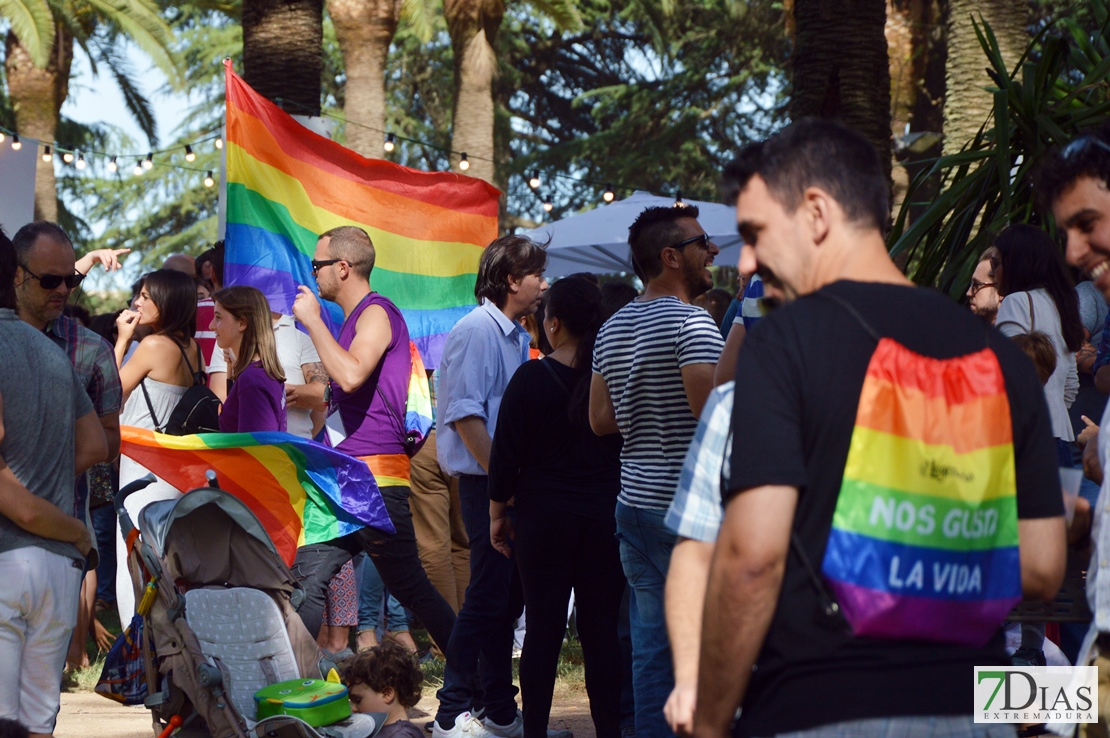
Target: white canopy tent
(597, 240)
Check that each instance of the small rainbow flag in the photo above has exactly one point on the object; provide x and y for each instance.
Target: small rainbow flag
(301, 491)
(286, 185)
(924, 540)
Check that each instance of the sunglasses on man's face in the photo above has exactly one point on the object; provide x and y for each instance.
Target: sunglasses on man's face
(702, 241)
(52, 281)
(318, 265)
(1080, 144)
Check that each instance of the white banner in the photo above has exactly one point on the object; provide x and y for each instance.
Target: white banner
(1036, 694)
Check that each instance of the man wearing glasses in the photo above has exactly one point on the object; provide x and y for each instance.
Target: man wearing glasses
(982, 296)
(369, 365)
(652, 372)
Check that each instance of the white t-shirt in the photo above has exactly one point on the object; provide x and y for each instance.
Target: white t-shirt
(640, 352)
(294, 350)
(1063, 386)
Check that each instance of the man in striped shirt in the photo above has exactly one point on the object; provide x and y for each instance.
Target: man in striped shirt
(653, 370)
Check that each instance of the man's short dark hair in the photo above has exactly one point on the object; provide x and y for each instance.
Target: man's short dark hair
(739, 171)
(815, 152)
(654, 230)
(8, 264)
(1056, 173)
(508, 256)
(26, 236)
(217, 252)
(352, 245)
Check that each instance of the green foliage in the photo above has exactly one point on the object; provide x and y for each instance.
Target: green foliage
(168, 209)
(641, 99)
(1059, 87)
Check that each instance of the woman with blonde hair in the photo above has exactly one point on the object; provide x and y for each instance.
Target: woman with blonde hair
(256, 395)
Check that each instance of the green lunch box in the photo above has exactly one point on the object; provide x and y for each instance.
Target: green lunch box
(313, 700)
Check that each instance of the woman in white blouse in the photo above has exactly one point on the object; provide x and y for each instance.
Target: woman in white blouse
(1038, 295)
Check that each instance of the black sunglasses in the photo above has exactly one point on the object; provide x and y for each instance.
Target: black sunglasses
(702, 241)
(318, 265)
(51, 281)
(1080, 144)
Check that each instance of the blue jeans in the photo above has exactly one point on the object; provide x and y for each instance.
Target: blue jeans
(485, 624)
(104, 523)
(371, 592)
(646, 545)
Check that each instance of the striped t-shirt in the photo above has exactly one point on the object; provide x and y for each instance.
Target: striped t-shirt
(640, 353)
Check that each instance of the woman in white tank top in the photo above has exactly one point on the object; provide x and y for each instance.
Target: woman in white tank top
(163, 366)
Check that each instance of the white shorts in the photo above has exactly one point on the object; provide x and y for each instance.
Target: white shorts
(39, 591)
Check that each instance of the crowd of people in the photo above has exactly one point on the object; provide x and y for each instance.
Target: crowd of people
(689, 471)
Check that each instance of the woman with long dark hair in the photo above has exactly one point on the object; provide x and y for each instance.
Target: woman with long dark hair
(155, 378)
(564, 480)
(1038, 296)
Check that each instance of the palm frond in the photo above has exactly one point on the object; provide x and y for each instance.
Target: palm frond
(563, 13)
(32, 22)
(138, 105)
(420, 17)
(140, 20)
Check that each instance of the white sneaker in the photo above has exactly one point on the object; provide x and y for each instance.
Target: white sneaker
(466, 726)
(515, 729)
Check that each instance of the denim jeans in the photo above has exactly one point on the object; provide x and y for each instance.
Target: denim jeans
(371, 593)
(484, 628)
(646, 545)
(104, 523)
(394, 556)
(940, 726)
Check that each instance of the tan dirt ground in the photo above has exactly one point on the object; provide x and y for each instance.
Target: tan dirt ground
(88, 715)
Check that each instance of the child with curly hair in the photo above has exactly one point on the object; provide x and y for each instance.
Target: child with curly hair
(385, 679)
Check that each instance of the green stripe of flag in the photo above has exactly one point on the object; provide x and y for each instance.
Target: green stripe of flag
(923, 520)
(407, 291)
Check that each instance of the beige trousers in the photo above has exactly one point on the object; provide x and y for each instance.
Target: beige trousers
(437, 520)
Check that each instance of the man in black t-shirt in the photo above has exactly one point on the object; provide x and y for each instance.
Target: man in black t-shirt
(811, 216)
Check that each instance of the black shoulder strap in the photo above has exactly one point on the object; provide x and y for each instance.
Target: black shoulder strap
(852, 310)
(392, 410)
(197, 374)
(150, 406)
(551, 371)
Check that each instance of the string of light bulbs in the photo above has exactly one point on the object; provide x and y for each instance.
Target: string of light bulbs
(143, 163)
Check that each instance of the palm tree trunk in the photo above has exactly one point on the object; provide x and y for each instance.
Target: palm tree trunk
(364, 29)
(840, 67)
(473, 26)
(37, 96)
(966, 104)
(283, 56)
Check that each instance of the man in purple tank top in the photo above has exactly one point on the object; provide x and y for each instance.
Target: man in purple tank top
(369, 367)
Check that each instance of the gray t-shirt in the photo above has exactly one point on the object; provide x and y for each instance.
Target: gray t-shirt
(42, 400)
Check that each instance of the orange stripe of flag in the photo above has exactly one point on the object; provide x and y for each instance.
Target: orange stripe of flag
(907, 412)
(358, 201)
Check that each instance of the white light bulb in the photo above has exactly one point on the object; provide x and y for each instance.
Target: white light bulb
(81, 161)
(219, 143)
(67, 157)
(208, 181)
(112, 166)
(464, 164)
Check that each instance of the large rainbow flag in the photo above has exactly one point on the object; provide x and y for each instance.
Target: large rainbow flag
(301, 491)
(286, 185)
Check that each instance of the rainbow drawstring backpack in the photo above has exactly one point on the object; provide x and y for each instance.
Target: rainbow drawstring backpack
(924, 540)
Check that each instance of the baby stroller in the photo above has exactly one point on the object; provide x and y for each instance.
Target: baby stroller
(220, 622)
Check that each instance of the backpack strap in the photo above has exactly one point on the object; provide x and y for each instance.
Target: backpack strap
(150, 406)
(198, 374)
(551, 371)
(852, 310)
(1032, 314)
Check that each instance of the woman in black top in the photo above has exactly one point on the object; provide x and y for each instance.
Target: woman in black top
(564, 480)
